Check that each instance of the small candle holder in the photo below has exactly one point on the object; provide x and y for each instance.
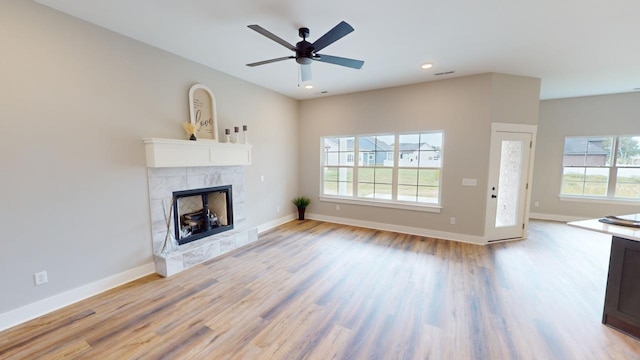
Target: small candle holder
(235, 137)
(244, 134)
(227, 134)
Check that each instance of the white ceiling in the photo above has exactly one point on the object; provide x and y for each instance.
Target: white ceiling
(577, 47)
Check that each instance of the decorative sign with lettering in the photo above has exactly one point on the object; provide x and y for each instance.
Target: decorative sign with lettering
(202, 106)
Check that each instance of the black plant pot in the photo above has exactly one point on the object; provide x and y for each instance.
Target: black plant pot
(301, 213)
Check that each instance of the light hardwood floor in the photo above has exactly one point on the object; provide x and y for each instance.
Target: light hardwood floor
(324, 291)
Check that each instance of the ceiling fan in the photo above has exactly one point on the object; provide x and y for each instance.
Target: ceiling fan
(307, 52)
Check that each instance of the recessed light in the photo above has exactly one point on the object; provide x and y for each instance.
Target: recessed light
(427, 66)
(308, 86)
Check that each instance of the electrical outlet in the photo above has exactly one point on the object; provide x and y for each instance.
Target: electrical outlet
(277, 208)
(261, 178)
(469, 182)
(338, 207)
(536, 204)
(452, 221)
(40, 278)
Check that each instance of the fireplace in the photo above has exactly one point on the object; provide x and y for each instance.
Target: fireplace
(173, 186)
(199, 213)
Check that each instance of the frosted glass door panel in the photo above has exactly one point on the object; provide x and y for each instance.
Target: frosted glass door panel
(509, 160)
(509, 183)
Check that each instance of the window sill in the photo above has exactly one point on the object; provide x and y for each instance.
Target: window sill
(384, 204)
(595, 200)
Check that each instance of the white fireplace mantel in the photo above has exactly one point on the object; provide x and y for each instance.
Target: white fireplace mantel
(187, 153)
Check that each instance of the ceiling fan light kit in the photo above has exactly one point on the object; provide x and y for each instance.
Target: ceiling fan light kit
(306, 52)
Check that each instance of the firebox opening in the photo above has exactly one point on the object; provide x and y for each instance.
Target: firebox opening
(200, 213)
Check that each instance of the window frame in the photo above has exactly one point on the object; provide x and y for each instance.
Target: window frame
(325, 163)
(612, 180)
(377, 202)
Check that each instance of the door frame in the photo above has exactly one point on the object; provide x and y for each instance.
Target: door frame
(493, 167)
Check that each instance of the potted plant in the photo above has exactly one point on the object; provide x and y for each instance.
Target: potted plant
(301, 202)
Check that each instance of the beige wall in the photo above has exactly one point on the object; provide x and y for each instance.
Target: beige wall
(76, 100)
(515, 99)
(463, 108)
(593, 115)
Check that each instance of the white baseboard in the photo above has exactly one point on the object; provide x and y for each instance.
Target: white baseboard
(44, 306)
(277, 222)
(554, 217)
(31, 311)
(470, 239)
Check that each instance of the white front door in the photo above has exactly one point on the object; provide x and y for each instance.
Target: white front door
(508, 185)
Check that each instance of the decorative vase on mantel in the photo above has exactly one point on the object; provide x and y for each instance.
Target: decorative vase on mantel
(191, 130)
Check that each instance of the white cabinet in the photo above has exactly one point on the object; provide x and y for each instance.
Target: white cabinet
(185, 153)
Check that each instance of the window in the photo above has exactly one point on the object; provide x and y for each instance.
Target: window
(389, 156)
(419, 168)
(375, 174)
(628, 167)
(338, 166)
(412, 179)
(605, 167)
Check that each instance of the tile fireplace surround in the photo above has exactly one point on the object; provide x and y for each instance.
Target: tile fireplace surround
(163, 182)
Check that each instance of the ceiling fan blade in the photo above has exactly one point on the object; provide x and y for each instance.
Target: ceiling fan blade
(272, 36)
(333, 35)
(270, 61)
(305, 73)
(355, 64)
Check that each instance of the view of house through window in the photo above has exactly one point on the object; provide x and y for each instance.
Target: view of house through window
(375, 166)
(419, 166)
(601, 166)
(338, 166)
(402, 168)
